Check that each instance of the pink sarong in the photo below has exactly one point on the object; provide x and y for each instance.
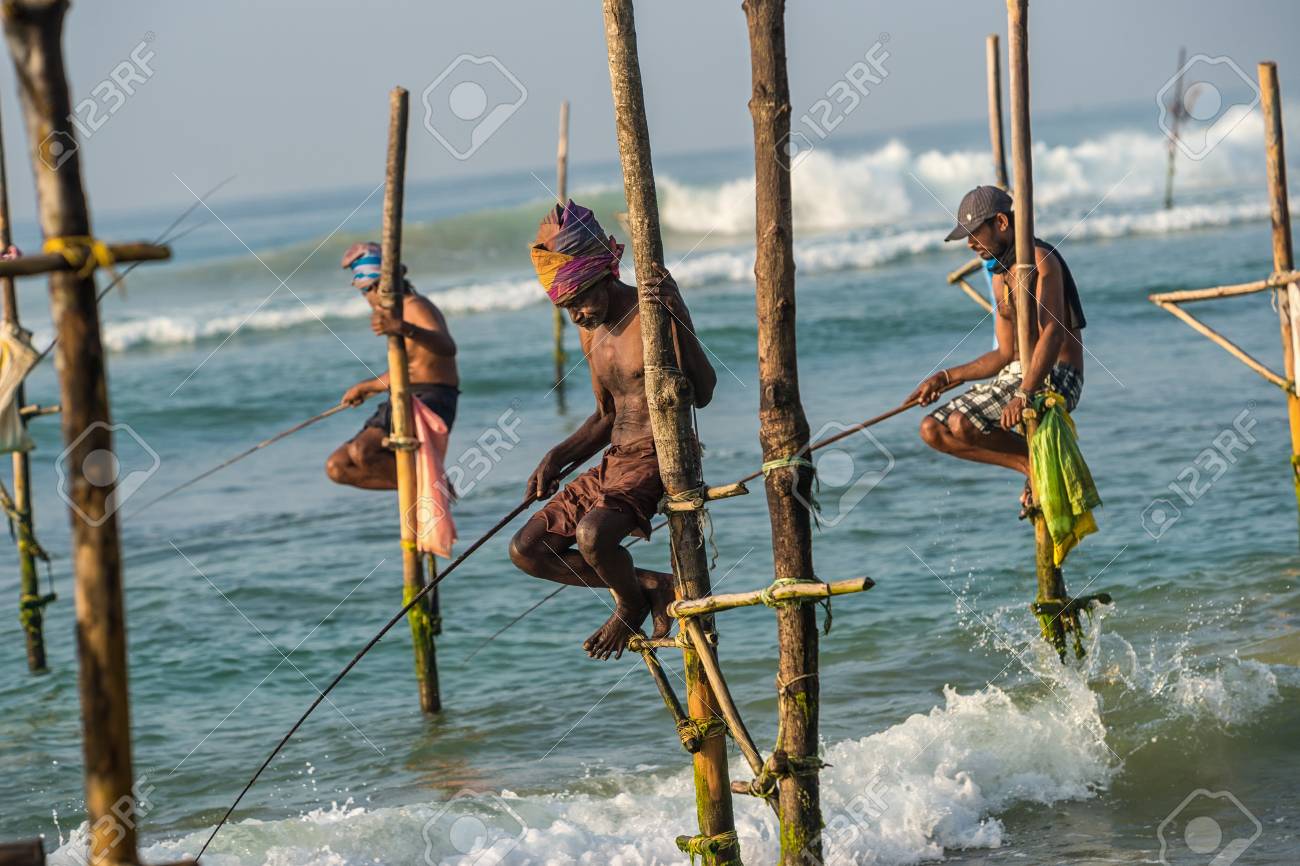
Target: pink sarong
(435, 532)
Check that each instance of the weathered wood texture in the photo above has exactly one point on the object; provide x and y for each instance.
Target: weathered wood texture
(670, 399)
(32, 613)
(1288, 299)
(33, 30)
(993, 60)
(783, 433)
(399, 382)
(805, 591)
(1050, 583)
(44, 263)
(561, 196)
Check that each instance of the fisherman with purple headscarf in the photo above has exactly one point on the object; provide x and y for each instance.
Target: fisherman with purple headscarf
(364, 461)
(576, 538)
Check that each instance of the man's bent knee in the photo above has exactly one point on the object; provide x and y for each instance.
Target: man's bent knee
(338, 467)
(523, 552)
(932, 432)
(963, 429)
(588, 539)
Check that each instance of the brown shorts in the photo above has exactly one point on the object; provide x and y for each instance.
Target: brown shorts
(627, 480)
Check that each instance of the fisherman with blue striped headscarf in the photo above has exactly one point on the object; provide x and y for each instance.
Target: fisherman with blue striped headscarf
(364, 461)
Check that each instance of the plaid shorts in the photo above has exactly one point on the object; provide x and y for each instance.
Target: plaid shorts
(983, 402)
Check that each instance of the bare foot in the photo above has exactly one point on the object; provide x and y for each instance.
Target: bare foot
(659, 592)
(1027, 506)
(612, 637)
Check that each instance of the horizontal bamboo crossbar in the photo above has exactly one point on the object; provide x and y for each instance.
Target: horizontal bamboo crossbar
(34, 410)
(806, 591)
(976, 296)
(969, 268)
(29, 852)
(1227, 345)
(725, 491)
(29, 266)
(1190, 295)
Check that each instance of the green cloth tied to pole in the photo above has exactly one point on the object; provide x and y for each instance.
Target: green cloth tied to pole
(1063, 484)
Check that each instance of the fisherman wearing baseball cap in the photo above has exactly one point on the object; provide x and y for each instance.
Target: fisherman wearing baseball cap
(981, 424)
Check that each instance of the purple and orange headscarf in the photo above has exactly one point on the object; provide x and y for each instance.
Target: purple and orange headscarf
(572, 253)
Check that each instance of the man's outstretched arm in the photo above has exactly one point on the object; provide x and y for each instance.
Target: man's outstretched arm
(983, 367)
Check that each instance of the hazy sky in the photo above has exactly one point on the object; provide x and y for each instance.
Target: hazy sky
(292, 95)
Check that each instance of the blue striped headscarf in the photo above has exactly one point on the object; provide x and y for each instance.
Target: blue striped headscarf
(364, 260)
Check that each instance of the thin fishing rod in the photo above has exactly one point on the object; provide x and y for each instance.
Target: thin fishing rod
(161, 239)
(265, 443)
(397, 617)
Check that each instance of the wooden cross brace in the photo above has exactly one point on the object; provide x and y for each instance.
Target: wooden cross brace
(1172, 301)
(958, 277)
(30, 266)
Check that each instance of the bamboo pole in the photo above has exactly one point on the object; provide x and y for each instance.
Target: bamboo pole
(975, 296)
(670, 400)
(1226, 344)
(1288, 300)
(1278, 280)
(402, 441)
(29, 852)
(802, 591)
(994, 64)
(1051, 586)
(30, 601)
(562, 196)
(783, 433)
(33, 29)
(44, 263)
(1176, 112)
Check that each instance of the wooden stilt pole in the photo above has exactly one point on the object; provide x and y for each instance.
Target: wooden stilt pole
(562, 196)
(402, 440)
(994, 58)
(33, 29)
(783, 433)
(31, 602)
(670, 399)
(1051, 586)
(1288, 298)
(1176, 112)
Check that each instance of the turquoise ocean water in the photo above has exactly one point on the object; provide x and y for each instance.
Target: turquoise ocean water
(951, 733)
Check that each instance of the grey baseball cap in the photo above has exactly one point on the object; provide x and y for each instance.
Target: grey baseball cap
(978, 206)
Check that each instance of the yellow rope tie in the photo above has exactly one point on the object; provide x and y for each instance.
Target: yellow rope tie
(83, 253)
(782, 462)
(707, 846)
(408, 545)
(765, 594)
(694, 497)
(701, 729)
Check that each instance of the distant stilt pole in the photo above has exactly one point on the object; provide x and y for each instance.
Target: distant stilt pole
(31, 602)
(783, 432)
(33, 29)
(994, 57)
(562, 195)
(1288, 298)
(1051, 586)
(670, 399)
(1176, 112)
(402, 440)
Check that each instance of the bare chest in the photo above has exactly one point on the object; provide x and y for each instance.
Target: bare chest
(616, 360)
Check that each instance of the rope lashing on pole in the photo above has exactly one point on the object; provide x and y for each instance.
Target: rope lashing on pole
(394, 620)
(265, 443)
